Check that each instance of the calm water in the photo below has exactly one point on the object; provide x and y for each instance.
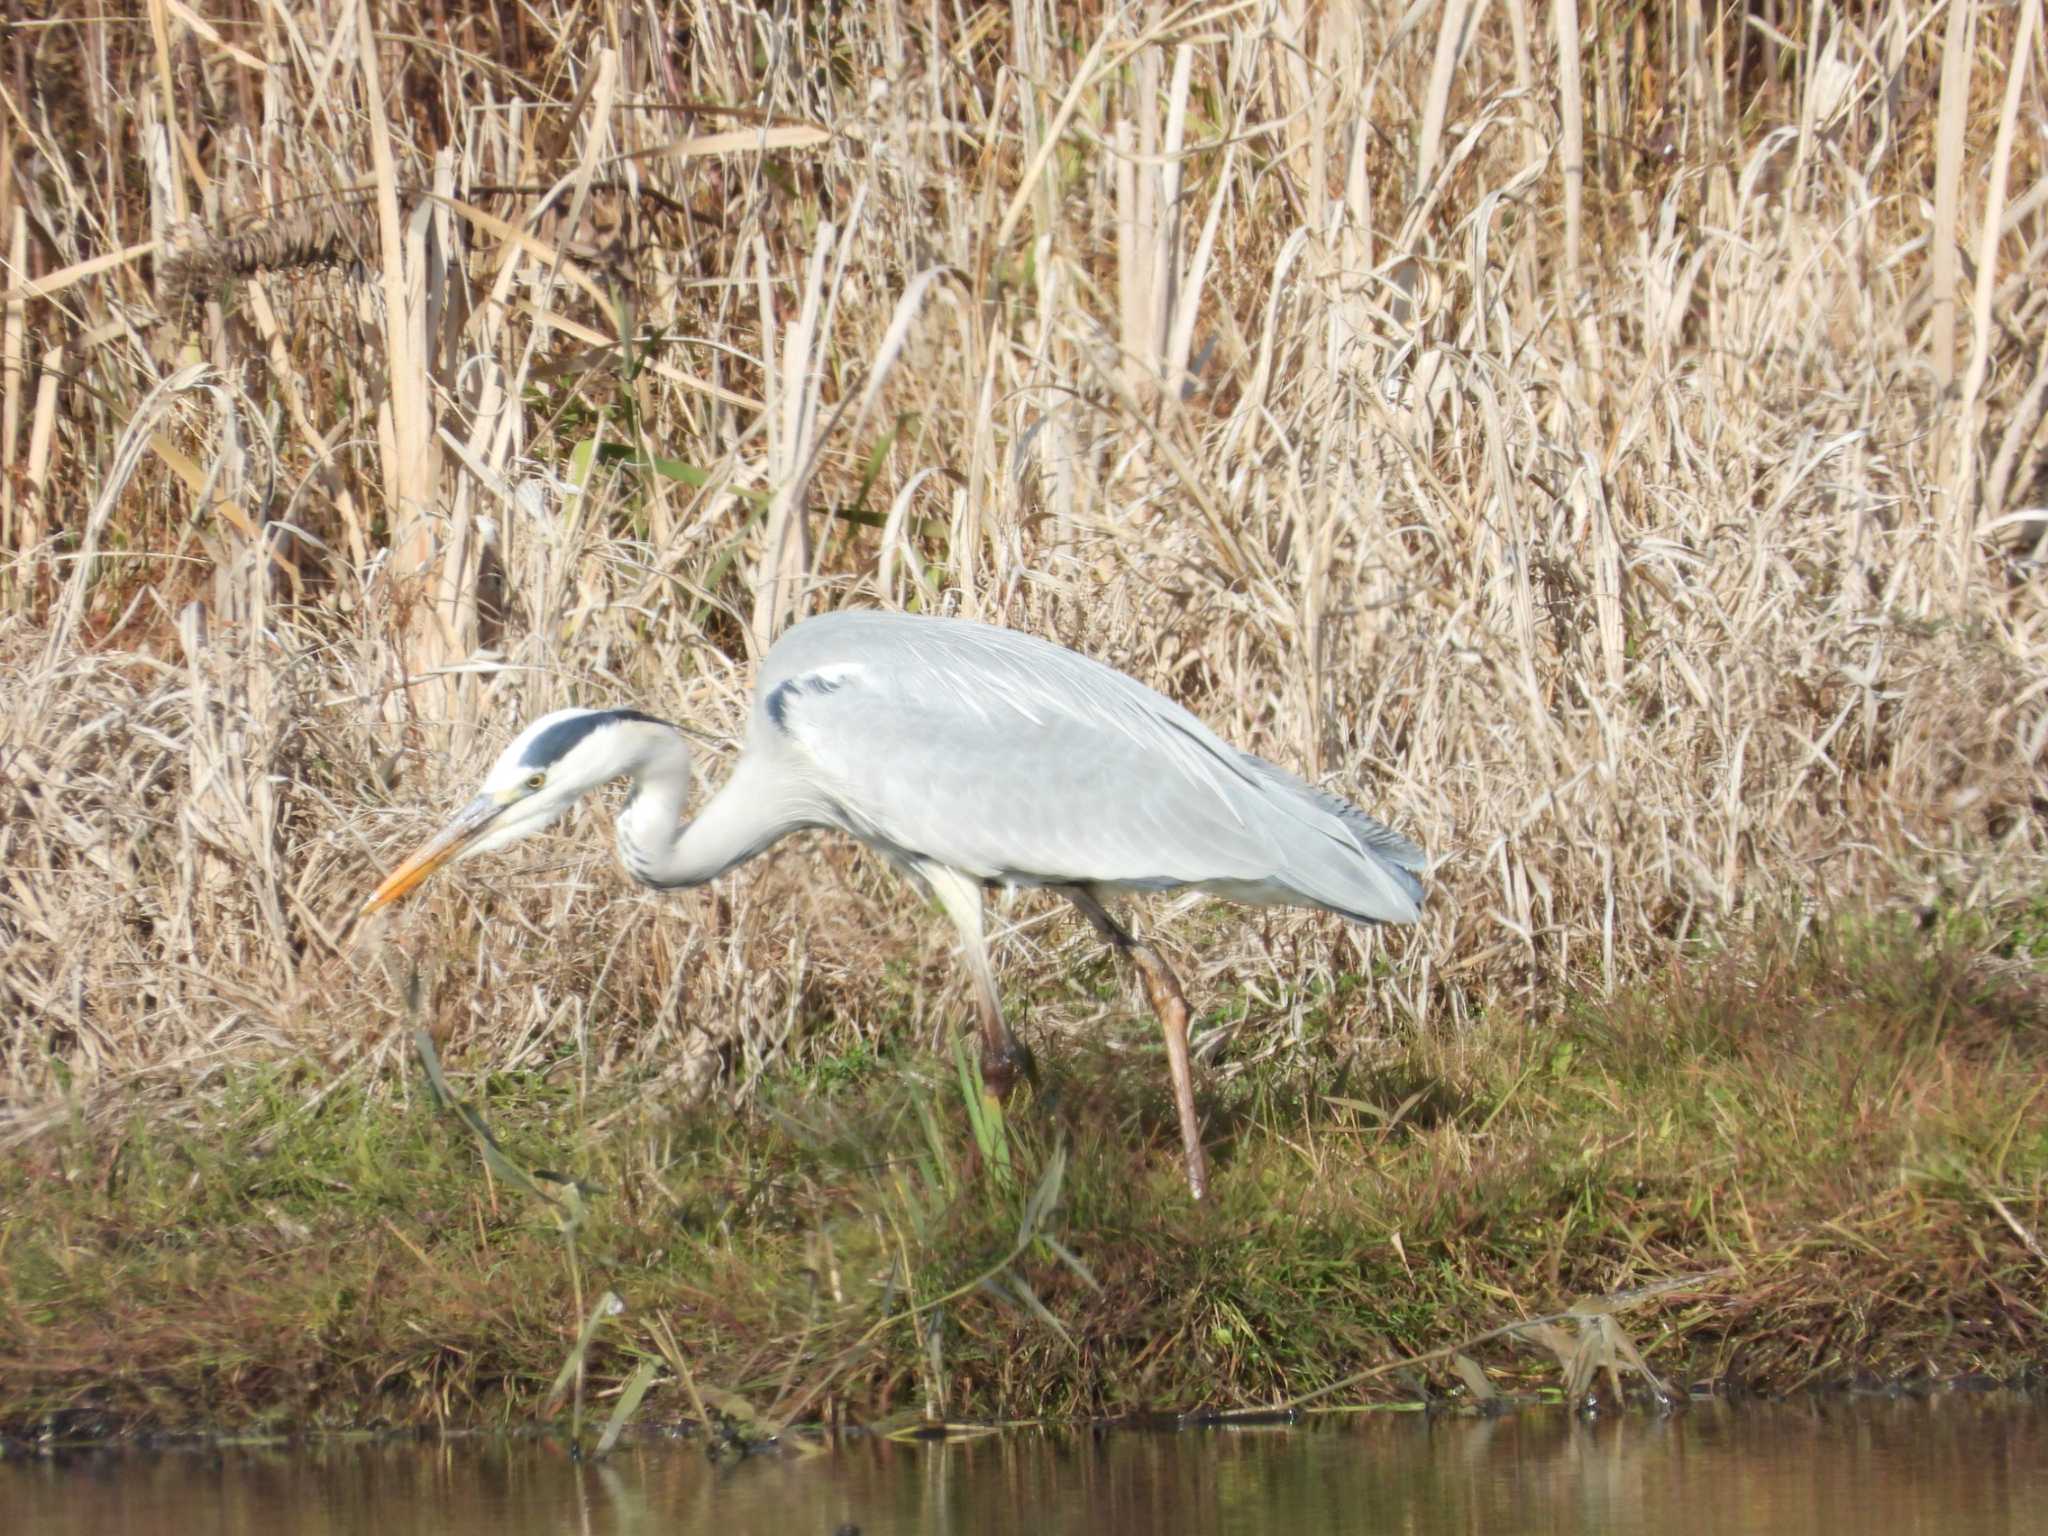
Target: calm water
(1950, 1467)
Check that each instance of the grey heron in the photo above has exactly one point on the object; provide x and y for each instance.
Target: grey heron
(969, 756)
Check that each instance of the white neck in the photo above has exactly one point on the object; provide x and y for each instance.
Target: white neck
(660, 849)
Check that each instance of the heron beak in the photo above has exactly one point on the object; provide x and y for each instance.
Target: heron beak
(468, 825)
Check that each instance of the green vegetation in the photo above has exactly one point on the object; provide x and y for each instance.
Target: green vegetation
(1830, 1141)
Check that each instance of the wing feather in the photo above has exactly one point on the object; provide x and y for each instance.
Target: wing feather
(1013, 759)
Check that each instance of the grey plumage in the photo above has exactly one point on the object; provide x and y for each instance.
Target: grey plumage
(1017, 761)
(969, 756)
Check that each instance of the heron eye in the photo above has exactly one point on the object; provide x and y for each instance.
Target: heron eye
(536, 781)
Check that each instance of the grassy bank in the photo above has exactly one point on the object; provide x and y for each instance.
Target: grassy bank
(1841, 1140)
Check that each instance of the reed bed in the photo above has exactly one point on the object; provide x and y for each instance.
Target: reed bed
(1604, 443)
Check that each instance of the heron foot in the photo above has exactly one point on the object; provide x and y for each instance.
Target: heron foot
(1002, 1064)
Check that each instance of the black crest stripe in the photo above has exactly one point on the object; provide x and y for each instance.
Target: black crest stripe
(561, 738)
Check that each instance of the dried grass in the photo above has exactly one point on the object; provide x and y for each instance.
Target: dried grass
(1580, 488)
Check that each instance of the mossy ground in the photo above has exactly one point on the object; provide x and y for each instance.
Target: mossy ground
(1845, 1139)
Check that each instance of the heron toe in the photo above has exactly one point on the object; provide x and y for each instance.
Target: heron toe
(1002, 1065)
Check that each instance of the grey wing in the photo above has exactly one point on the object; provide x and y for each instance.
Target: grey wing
(1012, 759)
(1377, 837)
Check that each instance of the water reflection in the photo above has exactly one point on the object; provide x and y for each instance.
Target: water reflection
(1957, 1466)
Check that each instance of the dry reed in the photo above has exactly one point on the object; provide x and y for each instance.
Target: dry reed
(1581, 481)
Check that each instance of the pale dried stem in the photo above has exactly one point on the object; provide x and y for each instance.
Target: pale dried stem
(1646, 644)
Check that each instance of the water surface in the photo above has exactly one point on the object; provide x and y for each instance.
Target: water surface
(1950, 1466)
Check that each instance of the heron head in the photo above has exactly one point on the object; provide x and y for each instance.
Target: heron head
(549, 766)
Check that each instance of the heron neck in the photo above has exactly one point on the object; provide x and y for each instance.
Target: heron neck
(660, 849)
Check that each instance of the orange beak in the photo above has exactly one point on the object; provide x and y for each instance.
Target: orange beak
(469, 824)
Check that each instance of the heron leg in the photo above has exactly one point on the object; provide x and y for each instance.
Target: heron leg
(1162, 988)
(1003, 1056)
